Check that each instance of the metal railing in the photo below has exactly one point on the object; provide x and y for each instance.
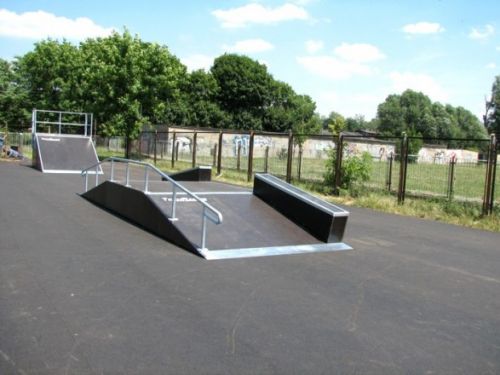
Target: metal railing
(208, 211)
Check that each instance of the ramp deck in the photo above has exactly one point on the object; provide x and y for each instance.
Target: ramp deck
(60, 153)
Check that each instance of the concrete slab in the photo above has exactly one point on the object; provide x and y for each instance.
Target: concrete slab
(82, 291)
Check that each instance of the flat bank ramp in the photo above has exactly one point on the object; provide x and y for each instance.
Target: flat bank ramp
(63, 153)
(250, 227)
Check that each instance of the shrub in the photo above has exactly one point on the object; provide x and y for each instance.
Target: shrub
(354, 171)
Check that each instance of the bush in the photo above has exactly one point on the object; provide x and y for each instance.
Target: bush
(354, 171)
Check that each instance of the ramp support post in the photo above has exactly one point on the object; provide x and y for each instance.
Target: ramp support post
(127, 176)
(174, 199)
(112, 170)
(146, 179)
(203, 229)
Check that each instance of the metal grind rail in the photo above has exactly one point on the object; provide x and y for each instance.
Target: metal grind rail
(208, 212)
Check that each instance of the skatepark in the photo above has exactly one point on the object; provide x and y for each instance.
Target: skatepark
(88, 290)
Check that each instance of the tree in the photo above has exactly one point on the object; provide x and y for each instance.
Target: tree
(335, 122)
(356, 123)
(13, 98)
(128, 83)
(244, 85)
(50, 74)
(492, 116)
(200, 92)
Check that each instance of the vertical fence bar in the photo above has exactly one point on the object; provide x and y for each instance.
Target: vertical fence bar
(156, 141)
(173, 149)
(214, 162)
(451, 178)
(289, 158)
(489, 182)
(97, 175)
(338, 164)
(86, 181)
(60, 121)
(266, 159)
(494, 176)
(402, 169)
(195, 139)
(250, 157)
(388, 181)
(219, 156)
(238, 157)
(299, 166)
(177, 145)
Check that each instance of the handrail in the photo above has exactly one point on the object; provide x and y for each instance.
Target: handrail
(209, 212)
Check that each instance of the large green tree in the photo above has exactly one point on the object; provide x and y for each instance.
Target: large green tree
(128, 83)
(492, 116)
(50, 74)
(14, 114)
(244, 89)
(416, 115)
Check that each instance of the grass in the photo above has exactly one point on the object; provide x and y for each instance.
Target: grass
(429, 178)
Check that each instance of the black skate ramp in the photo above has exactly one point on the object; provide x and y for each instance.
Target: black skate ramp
(57, 153)
(253, 223)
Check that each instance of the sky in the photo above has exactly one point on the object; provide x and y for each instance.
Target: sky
(348, 55)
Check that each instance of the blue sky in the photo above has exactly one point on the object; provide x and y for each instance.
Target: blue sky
(347, 55)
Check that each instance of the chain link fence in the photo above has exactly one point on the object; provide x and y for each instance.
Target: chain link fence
(462, 170)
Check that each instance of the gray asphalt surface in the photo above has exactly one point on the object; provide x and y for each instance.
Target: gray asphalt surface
(84, 292)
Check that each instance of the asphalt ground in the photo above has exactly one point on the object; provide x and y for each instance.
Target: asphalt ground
(85, 292)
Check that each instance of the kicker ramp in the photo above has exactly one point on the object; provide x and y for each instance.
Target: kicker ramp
(273, 219)
(58, 153)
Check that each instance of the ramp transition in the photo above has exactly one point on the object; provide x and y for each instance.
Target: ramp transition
(64, 153)
(274, 218)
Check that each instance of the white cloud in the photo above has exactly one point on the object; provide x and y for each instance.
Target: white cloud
(333, 68)
(491, 65)
(41, 25)
(259, 14)
(195, 62)
(249, 46)
(418, 82)
(482, 33)
(313, 46)
(359, 53)
(423, 28)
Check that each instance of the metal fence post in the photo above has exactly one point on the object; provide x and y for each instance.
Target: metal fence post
(195, 138)
(266, 160)
(156, 141)
(219, 155)
(238, 157)
(299, 166)
(403, 160)
(338, 164)
(489, 184)
(451, 177)
(289, 158)
(214, 162)
(494, 176)
(250, 157)
(172, 149)
(388, 181)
